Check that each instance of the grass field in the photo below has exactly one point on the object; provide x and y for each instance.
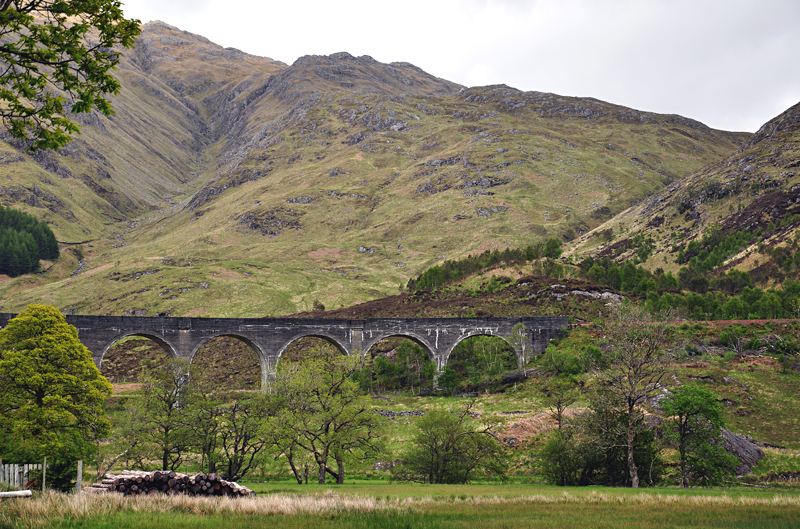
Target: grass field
(417, 506)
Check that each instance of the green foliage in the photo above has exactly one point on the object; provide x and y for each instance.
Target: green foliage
(552, 249)
(165, 405)
(451, 271)
(695, 428)
(477, 360)
(713, 249)
(321, 411)
(58, 58)
(561, 459)
(565, 360)
(446, 448)
(609, 435)
(408, 368)
(52, 395)
(23, 241)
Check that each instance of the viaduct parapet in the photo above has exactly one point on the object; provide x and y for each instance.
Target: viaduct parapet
(269, 337)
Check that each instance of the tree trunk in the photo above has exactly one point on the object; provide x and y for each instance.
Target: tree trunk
(294, 469)
(322, 469)
(340, 477)
(631, 444)
(682, 448)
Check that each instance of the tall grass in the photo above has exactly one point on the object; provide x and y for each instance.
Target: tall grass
(53, 509)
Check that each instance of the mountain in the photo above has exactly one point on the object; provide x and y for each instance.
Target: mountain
(753, 191)
(228, 184)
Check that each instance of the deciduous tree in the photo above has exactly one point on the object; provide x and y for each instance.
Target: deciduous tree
(56, 58)
(695, 426)
(165, 418)
(447, 448)
(51, 394)
(636, 365)
(324, 413)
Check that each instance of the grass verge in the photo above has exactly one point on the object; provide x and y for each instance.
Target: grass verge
(545, 507)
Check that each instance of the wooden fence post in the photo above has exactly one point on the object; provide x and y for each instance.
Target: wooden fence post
(80, 477)
(44, 472)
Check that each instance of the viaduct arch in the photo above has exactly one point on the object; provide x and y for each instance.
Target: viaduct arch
(269, 337)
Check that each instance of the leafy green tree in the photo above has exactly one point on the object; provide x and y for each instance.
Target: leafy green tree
(325, 413)
(696, 421)
(597, 274)
(57, 59)
(446, 448)
(552, 249)
(561, 460)
(52, 395)
(166, 412)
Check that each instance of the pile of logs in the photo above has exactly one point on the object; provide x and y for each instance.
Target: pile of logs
(134, 482)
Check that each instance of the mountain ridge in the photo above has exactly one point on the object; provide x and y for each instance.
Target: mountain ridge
(218, 162)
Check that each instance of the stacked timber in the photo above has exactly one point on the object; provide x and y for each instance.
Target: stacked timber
(138, 483)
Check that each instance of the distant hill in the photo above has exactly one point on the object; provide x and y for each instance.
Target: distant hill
(752, 191)
(230, 185)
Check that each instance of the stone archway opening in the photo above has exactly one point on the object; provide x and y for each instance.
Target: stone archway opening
(309, 348)
(227, 362)
(398, 363)
(125, 361)
(476, 361)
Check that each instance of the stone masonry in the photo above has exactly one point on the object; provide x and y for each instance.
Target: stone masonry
(269, 337)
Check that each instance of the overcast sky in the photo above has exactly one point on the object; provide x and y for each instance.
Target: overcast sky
(732, 64)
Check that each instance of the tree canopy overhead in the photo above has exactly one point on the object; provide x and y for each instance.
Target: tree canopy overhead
(56, 58)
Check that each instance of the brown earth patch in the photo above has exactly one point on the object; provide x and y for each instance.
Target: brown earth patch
(126, 388)
(224, 273)
(98, 269)
(325, 253)
(525, 429)
(759, 361)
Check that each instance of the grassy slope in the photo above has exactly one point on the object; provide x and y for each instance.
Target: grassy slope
(751, 188)
(210, 144)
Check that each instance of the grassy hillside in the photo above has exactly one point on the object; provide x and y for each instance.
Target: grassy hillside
(753, 191)
(235, 185)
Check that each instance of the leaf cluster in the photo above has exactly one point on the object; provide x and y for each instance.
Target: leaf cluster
(56, 58)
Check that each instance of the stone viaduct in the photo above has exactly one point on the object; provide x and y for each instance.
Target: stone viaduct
(269, 337)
